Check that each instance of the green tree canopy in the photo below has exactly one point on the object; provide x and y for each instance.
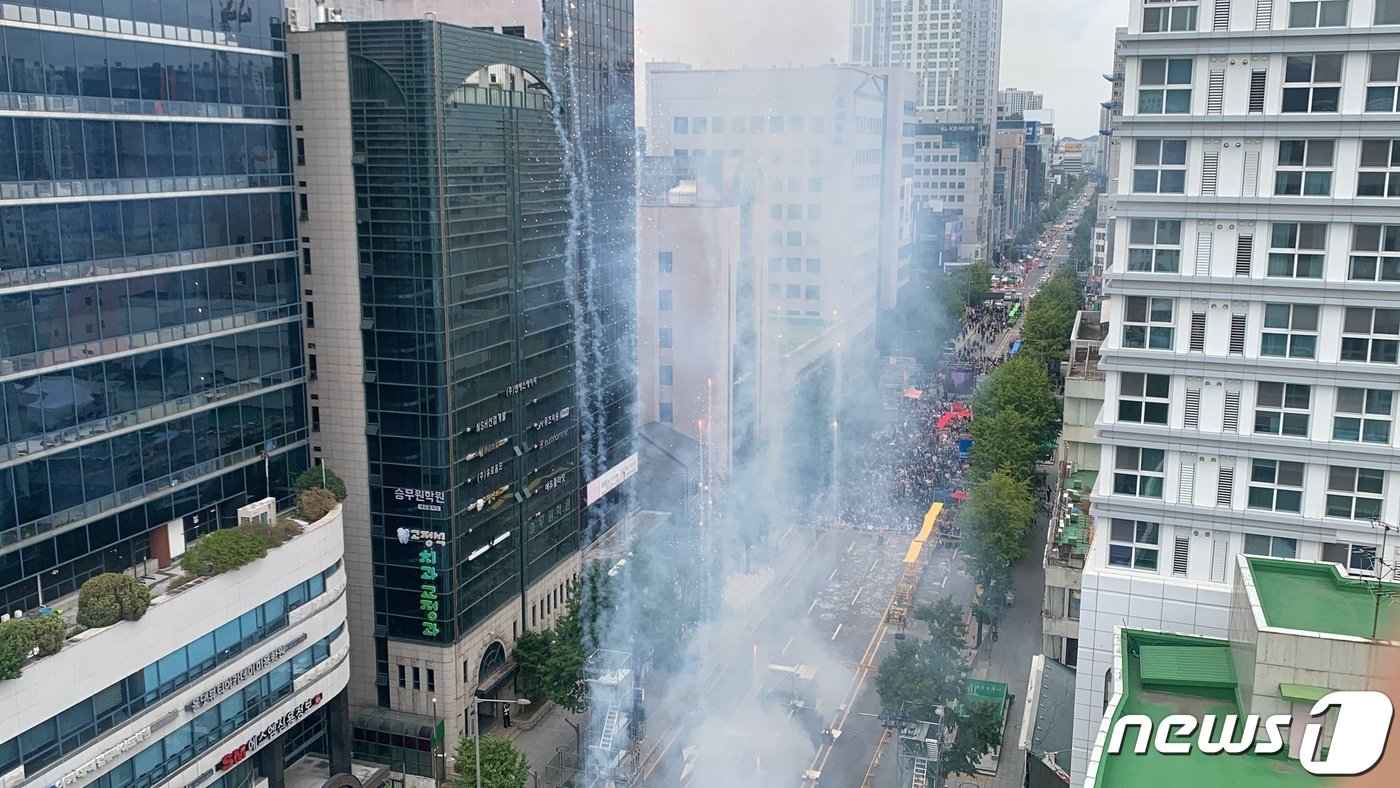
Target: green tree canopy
(947, 622)
(979, 732)
(502, 765)
(1021, 385)
(995, 522)
(320, 476)
(1004, 440)
(919, 675)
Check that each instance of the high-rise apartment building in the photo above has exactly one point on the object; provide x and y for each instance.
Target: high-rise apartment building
(1254, 320)
(953, 47)
(948, 162)
(1012, 101)
(437, 229)
(591, 72)
(151, 368)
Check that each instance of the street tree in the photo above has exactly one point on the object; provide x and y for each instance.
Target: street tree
(564, 674)
(979, 727)
(532, 652)
(995, 523)
(1021, 385)
(919, 676)
(502, 764)
(1004, 440)
(947, 622)
(964, 287)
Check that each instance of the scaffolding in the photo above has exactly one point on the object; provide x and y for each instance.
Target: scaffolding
(615, 749)
(920, 750)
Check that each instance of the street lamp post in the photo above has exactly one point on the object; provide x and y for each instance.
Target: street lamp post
(476, 727)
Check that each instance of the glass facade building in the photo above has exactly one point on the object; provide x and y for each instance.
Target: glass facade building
(595, 79)
(151, 366)
(468, 340)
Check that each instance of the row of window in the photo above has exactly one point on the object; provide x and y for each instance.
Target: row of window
(37, 236)
(178, 747)
(1368, 334)
(1304, 168)
(68, 731)
(1179, 16)
(1311, 84)
(812, 292)
(252, 23)
(62, 64)
(1273, 485)
(757, 124)
(1297, 250)
(1137, 544)
(779, 211)
(794, 238)
(794, 265)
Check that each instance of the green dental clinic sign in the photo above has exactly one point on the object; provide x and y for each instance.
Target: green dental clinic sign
(428, 591)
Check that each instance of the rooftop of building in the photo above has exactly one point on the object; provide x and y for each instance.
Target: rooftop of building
(1317, 597)
(1048, 728)
(1072, 528)
(1089, 334)
(1160, 675)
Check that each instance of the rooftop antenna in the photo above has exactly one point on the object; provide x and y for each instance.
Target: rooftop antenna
(1379, 564)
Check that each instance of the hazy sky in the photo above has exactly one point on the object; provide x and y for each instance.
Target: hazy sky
(1061, 48)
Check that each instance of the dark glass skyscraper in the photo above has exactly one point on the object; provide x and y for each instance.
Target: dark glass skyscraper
(151, 374)
(595, 73)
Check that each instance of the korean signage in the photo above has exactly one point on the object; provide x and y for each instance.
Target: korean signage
(428, 538)
(489, 422)
(427, 500)
(553, 418)
(428, 590)
(267, 660)
(487, 449)
(521, 386)
(614, 476)
(488, 500)
(103, 759)
(276, 728)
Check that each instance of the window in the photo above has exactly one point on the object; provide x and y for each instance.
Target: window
(1375, 253)
(1160, 167)
(814, 265)
(1282, 409)
(681, 125)
(1072, 604)
(301, 151)
(1144, 398)
(1276, 485)
(814, 185)
(1371, 335)
(1164, 86)
(1383, 83)
(667, 412)
(1317, 13)
(775, 211)
(699, 125)
(664, 337)
(794, 265)
(1380, 169)
(794, 212)
(1139, 472)
(814, 212)
(794, 291)
(1304, 168)
(310, 309)
(717, 125)
(306, 260)
(1363, 415)
(315, 418)
(794, 239)
(775, 264)
(755, 125)
(666, 298)
(1297, 249)
(814, 292)
(667, 375)
(432, 681)
(1354, 493)
(1387, 12)
(403, 676)
(1154, 245)
(1133, 544)
(664, 262)
(1312, 83)
(1273, 546)
(1147, 323)
(1161, 17)
(1290, 331)
(1355, 557)
(416, 681)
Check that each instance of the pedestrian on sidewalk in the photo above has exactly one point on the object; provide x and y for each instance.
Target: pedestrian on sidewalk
(505, 716)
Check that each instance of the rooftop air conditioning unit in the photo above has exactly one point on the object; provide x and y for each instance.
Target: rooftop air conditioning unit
(264, 511)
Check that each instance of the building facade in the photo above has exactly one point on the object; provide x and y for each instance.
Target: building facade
(1012, 101)
(948, 160)
(232, 680)
(446, 384)
(1253, 317)
(1010, 182)
(953, 47)
(151, 368)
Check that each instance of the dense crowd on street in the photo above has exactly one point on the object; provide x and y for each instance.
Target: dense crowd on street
(916, 460)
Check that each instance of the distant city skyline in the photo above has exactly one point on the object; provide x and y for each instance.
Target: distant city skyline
(737, 33)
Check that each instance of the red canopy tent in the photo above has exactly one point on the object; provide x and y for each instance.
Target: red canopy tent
(960, 495)
(958, 411)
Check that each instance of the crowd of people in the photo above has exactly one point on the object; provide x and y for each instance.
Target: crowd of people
(917, 459)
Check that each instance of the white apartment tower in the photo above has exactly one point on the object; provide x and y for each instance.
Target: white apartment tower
(954, 49)
(1253, 303)
(1014, 101)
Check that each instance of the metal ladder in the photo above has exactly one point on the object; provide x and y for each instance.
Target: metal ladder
(920, 779)
(610, 726)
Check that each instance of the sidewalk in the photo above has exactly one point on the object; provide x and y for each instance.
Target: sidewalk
(1008, 660)
(541, 736)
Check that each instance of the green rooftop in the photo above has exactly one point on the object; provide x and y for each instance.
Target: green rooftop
(1315, 597)
(1203, 684)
